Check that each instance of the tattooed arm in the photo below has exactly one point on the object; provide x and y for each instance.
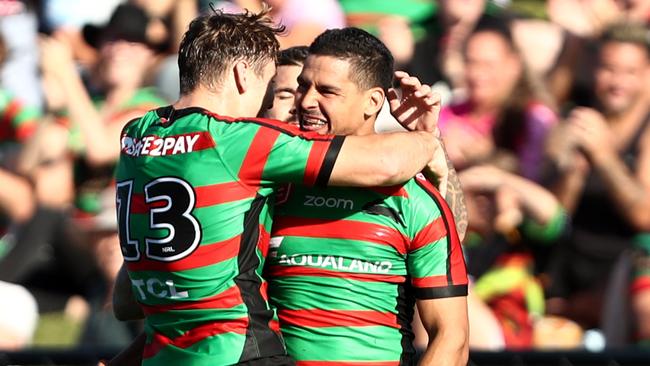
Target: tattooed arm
(442, 174)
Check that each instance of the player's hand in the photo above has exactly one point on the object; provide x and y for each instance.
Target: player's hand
(418, 107)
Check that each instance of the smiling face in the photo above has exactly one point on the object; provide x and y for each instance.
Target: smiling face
(620, 78)
(284, 84)
(328, 101)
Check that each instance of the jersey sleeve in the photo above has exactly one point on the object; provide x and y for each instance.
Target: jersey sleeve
(281, 154)
(435, 260)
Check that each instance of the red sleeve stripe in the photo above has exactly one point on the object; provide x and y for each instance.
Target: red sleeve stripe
(319, 318)
(340, 229)
(253, 165)
(160, 341)
(204, 255)
(431, 233)
(315, 162)
(205, 196)
(286, 271)
(347, 363)
(456, 268)
(431, 281)
(224, 300)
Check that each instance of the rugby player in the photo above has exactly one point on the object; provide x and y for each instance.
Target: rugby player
(285, 83)
(194, 186)
(347, 264)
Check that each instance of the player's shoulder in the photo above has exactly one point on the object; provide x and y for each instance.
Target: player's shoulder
(419, 188)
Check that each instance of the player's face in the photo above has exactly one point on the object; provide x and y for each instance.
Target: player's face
(621, 76)
(492, 70)
(327, 100)
(284, 84)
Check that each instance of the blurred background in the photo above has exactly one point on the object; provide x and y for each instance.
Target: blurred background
(546, 116)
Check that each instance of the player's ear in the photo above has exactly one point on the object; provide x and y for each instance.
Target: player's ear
(240, 72)
(374, 101)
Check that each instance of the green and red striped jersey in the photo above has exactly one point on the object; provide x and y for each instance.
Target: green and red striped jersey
(194, 199)
(346, 265)
(17, 121)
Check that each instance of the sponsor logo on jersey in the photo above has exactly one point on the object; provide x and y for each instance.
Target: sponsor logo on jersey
(152, 145)
(329, 202)
(335, 262)
(162, 289)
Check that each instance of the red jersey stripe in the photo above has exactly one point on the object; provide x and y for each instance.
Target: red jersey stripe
(394, 191)
(456, 262)
(321, 272)
(315, 162)
(432, 281)
(204, 255)
(336, 318)
(205, 196)
(160, 341)
(221, 193)
(340, 229)
(252, 167)
(226, 299)
(436, 230)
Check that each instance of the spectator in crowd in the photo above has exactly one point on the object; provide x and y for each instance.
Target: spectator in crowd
(70, 162)
(19, 74)
(602, 155)
(285, 83)
(504, 118)
(439, 56)
(304, 20)
(512, 222)
(570, 80)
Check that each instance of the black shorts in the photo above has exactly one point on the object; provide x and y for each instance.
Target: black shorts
(282, 360)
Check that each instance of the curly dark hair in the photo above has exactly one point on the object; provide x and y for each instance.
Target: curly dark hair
(371, 62)
(215, 41)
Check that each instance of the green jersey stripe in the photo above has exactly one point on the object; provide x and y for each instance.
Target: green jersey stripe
(349, 344)
(336, 318)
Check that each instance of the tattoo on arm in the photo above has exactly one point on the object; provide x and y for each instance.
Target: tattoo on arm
(456, 200)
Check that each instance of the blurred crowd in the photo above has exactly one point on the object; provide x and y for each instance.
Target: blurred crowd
(546, 117)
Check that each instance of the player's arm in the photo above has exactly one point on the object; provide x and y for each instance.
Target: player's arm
(446, 323)
(438, 276)
(382, 160)
(125, 307)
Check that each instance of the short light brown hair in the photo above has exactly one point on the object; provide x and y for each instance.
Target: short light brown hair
(627, 32)
(215, 41)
